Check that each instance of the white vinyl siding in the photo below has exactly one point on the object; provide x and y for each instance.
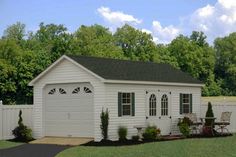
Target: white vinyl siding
(140, 106)
(66, 72)
(105, 96)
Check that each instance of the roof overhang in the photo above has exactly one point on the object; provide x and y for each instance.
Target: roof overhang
(153, 83)
(32, 83)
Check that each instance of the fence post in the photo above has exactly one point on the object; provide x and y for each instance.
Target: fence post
(1, 120)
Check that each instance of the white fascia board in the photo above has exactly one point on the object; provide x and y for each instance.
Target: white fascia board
(153, 83)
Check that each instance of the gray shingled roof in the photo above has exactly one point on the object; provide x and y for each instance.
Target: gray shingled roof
(114, 69)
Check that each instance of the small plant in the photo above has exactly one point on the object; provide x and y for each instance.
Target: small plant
(150, 133)
(209, 113)
(184, 126)
(122, 132)
(104, 116)
(22, 133)
(135, 138)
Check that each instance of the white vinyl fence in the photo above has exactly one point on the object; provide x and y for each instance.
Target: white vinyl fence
(9, 116)
(220, 107)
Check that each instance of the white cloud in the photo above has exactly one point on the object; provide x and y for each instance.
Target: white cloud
(227, 3)
(117, 18)
(214, 20)
(146, 31)
(205, 11)
(164, 34)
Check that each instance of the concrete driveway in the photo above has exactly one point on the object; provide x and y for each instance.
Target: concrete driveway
(33, 150)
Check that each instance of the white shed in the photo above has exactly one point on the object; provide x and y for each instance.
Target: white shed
(71, 93)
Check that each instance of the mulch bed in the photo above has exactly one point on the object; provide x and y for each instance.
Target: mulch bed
(163, 138)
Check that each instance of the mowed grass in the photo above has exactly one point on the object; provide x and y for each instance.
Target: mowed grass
(207, 147)
(8, 144)
(222, 99)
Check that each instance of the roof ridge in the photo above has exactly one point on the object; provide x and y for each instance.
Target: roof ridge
(118, 59)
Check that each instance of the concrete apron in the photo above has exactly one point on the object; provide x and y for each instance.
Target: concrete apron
(71, 141)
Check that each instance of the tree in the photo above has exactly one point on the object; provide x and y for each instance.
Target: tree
(15, 32)
(197, 58)
(136, 45)
(209, 114)
(199, 38)
(225, 68)
(96, 40)
(9, 50)
(7, 82)
(54, 39)
(165, 56)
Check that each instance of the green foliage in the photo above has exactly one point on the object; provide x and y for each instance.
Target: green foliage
(104, 116)
(184, 129)
(122, 132)
(136, 44)
(96, 40)
(24, 55)
(15, 32)
(226, 63)
(184, 126)
(22, 133)
(209, 113)
(150, 133)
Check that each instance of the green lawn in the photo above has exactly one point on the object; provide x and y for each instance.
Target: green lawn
(7, 144)
(220, 99)
(211, 147)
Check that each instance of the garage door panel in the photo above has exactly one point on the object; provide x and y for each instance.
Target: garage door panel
(69, 114)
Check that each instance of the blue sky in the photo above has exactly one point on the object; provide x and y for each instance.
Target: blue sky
(164, 19)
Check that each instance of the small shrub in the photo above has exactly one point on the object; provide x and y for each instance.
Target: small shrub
(184, 129)
(184, 126)
(104, 116)
(150, 133)
(209, 113)
(135, 138)
(122, 132)
(22, 133)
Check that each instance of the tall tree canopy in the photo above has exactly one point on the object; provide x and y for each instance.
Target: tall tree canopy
(136, 44)
(15, 32)
(96, 40)
(226, 62)
(24, 55)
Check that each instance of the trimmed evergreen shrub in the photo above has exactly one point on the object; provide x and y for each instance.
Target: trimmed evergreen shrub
(122, 132)
(22, 133)
(209, 113)
(104, 116)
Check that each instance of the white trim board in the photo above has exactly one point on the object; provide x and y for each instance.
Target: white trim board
(153, 83)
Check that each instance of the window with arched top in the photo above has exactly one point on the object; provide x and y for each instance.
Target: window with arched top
(152, 105)
(164, 105)
(87, 90)
(62, 91)
(52, 91)
(76, 90)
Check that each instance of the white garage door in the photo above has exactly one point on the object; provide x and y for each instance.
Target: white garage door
(69, 110)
